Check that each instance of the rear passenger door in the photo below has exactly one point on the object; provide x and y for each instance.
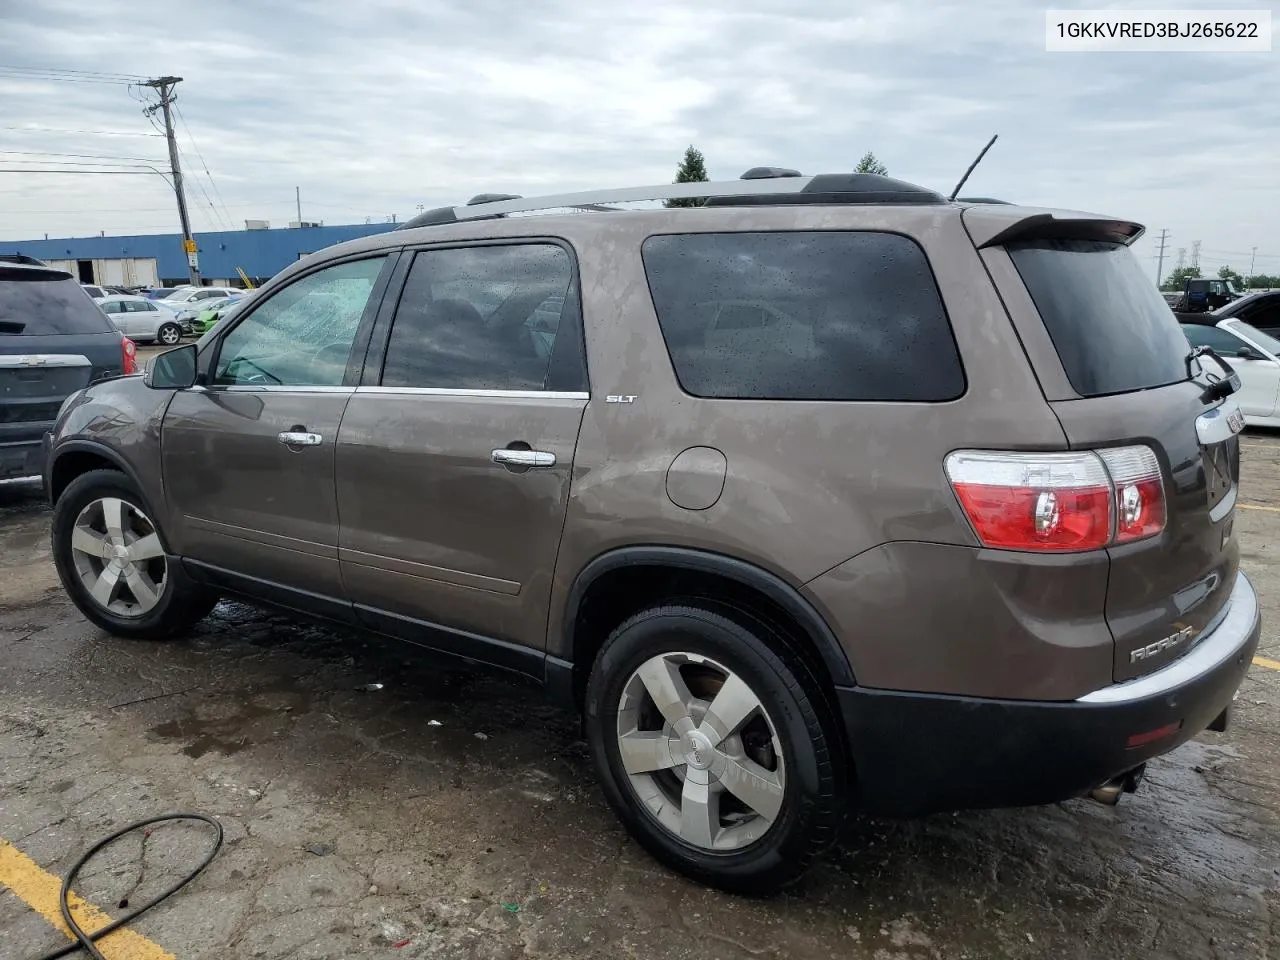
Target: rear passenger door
(455, 454)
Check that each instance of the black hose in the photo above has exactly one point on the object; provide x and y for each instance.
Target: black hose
(86, 940)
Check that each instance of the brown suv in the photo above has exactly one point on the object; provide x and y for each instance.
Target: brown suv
(828, 490)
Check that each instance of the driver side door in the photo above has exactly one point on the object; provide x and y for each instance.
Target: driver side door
(249, 457)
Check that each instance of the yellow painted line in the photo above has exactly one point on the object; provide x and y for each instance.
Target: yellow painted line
(1266, 662)
(1257, 506)
(39, 890)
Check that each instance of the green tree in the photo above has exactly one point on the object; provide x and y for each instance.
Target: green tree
(692, 169)
(869, 164)
(1177, 279)
(1263, 281)
(1226, 273)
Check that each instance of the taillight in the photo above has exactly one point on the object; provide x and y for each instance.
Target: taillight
(1139, 491)
(128, 355)
(1059, 501)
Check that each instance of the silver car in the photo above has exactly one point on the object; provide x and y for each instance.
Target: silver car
(143, 320)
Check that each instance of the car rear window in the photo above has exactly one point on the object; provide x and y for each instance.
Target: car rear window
(803, 316)
(43, 307)
(1113, 331)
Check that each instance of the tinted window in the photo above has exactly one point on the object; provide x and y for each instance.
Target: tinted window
(803, 316)
(112, 306)
(1222, 342)
(487, 318)
(41, 307)
(1112, 329)
(302, 335)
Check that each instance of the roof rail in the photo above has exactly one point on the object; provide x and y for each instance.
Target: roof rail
(775, 188)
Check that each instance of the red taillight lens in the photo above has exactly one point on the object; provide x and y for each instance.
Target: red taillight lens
(1140, 510)
(1036, 501)
(128, 355)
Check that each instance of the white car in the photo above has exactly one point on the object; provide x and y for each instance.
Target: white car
(143, 320)
(186, 297)
(1254, 355)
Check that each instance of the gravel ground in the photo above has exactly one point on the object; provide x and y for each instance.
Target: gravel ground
(454, 815)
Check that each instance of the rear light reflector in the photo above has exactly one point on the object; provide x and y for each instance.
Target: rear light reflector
(1151, 736)
(1034, 501)
(1140, 509)
(128, 355)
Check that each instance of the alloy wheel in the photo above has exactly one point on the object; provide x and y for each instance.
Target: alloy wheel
(701, 752)
(118, 557)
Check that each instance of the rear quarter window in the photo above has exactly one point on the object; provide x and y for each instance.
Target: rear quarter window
(44, 307)
(803, 316)
(1113, 331)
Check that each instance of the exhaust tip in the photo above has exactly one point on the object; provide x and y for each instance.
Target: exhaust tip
(1109, 793)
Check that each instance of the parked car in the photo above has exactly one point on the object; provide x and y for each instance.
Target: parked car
(1252, 354)
(94, 291)
(946, 522)
(1259, 310)
(191, 296)
(192, 310)
(53, 341)
(213, 312)
(161, 293)
(143, 320)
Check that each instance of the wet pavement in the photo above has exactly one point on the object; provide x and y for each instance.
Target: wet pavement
(453, 814)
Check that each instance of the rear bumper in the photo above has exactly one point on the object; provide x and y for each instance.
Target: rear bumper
(24, 458)
(924, 753)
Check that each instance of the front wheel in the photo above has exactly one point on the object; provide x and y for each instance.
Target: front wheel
(114, 565)
(169, 334)
(716, 756)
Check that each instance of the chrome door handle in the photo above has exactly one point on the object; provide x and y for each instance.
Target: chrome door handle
(534, 459)
(298, 438)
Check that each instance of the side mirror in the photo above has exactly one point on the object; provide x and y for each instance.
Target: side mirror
(1248, 353)
(172, 370)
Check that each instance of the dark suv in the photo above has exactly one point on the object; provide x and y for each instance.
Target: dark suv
(53, 341)
(826, 491)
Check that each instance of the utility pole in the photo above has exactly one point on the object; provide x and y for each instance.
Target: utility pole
(297, 196)
(164, 86)
(1164, 237)
(1195, 256)
(1252, 257)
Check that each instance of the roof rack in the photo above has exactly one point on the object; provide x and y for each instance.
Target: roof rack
(761, 186)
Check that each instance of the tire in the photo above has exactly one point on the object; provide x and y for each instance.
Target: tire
(795, 754)
(148, 597)
(169, 334)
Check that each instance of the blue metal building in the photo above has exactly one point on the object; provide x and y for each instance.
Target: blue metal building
(259, 253)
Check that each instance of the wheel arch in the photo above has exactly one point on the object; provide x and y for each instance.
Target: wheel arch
(652, 571)
(73, 458)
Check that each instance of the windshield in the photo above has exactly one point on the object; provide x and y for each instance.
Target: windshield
(1265, 341)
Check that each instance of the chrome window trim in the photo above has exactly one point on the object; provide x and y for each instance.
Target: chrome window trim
(459, 392)
(1222, 644)
(278, 388)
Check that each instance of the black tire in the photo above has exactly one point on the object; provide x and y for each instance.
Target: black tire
(814, 794)
(169, 334)
(182, 603)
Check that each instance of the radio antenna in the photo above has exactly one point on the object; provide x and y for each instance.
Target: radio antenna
(972, 165)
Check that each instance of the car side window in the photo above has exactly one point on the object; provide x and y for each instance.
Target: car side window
(302, 335)
(1220, 341)
(112, 306)
(488, 317)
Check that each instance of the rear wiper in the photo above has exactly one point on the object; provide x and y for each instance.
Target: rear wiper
(1218, 388)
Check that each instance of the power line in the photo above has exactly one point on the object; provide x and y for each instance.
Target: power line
(140, 173)
(86, 156)
(81, 73)
(84, 163)
(100, 133)
(200, 156)
(40, 79)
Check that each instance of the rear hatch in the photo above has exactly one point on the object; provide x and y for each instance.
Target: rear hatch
(1113, 364)
(53, 341)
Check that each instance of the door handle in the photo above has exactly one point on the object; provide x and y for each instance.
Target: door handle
(532, 459)
(300, 438)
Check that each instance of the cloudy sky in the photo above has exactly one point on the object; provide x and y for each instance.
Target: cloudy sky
(373, 107)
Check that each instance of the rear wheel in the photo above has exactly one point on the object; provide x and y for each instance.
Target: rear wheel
(114, 565)
(711, 750)
(169, 333)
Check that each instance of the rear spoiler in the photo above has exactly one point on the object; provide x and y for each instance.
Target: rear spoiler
(995, 225)
(24, 271)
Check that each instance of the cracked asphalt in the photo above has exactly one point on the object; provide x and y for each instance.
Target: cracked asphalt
(451, 814)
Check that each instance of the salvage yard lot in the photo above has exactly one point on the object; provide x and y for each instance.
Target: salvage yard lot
(452, 814)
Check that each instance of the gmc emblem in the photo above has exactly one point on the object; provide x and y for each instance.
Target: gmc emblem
(1168, 643)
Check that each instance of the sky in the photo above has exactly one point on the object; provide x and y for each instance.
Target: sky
(373, 108)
